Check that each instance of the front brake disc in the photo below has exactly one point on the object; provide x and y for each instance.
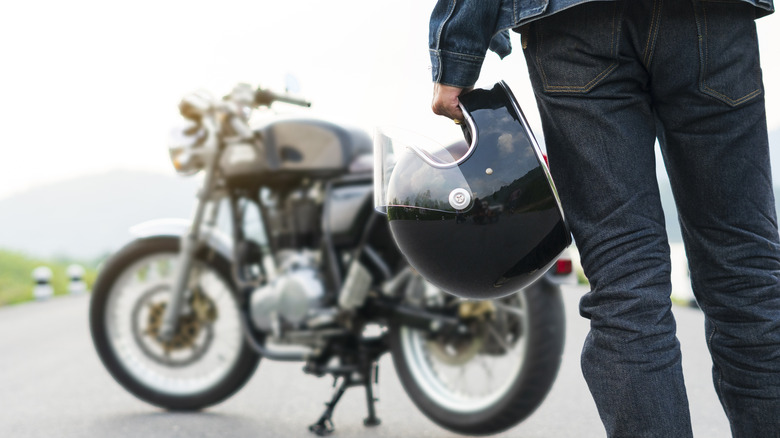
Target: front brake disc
(193, 334)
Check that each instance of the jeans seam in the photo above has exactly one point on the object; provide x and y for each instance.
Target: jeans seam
(653, 33)
(439, 31)
(464, 56)
(719, 383)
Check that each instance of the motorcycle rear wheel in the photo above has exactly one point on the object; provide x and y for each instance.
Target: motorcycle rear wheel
(486, 385)
(207, 361)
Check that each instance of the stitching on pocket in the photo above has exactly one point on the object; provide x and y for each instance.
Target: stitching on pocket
(730, 101)
(581, 89)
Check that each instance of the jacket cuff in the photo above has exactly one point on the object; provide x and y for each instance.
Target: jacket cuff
(455, 69)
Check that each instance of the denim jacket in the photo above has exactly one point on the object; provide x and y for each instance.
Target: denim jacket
(462, 31)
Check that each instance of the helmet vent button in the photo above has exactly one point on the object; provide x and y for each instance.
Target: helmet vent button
(460, 199)
(489, 171)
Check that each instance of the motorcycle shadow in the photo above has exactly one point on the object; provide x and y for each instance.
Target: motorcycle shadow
(181, 424)
(206, 424)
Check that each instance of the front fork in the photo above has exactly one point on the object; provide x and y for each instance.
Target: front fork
(189, 244)
(208, 208)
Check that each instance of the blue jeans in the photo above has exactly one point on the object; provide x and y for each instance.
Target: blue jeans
(610, 78)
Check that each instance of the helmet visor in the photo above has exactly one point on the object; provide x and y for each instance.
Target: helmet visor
(411, 170)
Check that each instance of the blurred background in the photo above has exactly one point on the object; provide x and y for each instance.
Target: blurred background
(89, 90)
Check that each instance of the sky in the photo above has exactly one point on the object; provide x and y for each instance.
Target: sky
(92, 86)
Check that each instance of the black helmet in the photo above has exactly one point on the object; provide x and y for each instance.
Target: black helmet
(481, 218)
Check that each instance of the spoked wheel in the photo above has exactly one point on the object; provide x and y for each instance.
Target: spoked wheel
(207, 359)
(493, 377)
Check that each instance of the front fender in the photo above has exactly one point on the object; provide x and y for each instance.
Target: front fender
(175, 227)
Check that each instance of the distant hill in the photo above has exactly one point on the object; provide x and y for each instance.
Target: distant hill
(89, 216)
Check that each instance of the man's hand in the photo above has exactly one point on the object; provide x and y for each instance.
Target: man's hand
(445, 101)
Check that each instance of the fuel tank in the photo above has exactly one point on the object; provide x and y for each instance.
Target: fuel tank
(285, 151)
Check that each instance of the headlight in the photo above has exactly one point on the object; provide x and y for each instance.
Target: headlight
(184, 148)
(194, 105)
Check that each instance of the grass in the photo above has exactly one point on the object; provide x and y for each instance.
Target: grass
(16, 282)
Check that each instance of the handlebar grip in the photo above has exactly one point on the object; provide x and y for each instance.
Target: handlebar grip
(265, 97)
(293, 101)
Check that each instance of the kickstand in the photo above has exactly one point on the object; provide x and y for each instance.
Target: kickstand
(372, 419)
(324, 426)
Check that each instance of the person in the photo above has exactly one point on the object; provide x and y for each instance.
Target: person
(611, 77)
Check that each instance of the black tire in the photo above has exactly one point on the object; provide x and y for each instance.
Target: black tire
(545, 334)
(236, 374)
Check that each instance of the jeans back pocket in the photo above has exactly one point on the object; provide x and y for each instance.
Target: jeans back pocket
(728, 47)
(577, 48)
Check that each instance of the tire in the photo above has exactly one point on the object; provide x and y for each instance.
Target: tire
(527, 369)
(205, 364)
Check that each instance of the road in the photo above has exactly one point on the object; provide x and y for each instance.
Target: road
(53, 385)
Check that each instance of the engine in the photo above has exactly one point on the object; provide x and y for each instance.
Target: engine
(293, 299)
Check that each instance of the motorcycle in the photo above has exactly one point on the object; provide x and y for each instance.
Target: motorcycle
(308, 272)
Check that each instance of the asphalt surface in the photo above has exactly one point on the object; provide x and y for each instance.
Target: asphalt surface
(53, 385)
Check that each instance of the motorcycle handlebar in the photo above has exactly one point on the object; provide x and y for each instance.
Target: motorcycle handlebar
(266, 97)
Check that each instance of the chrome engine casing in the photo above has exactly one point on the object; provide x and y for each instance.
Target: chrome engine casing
(290, 298)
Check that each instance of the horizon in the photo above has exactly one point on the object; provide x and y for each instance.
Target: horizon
(85, 229)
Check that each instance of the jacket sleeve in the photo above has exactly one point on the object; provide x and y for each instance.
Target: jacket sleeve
(460, 34)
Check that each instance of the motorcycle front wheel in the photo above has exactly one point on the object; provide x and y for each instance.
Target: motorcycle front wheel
(493, 378)
(207, 360)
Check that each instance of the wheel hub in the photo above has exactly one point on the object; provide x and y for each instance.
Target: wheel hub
(457, 350)
(194, 328)
(189, 328)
